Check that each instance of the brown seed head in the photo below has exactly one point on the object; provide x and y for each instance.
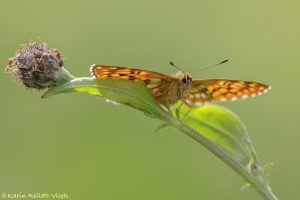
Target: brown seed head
(35, 65)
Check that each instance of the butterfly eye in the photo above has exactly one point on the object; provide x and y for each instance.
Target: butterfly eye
(186, 79)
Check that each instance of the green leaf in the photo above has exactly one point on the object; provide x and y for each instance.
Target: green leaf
(125, 92)
(215, 127)
(222, 127)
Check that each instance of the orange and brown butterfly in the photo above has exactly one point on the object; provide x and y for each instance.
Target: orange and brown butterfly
(167, 90)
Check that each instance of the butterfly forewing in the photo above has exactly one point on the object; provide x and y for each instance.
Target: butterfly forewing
(158, 83)
(220, 89)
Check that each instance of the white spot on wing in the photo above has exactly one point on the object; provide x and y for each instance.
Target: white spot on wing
(187, 101)
(197, 104)
(154, 80)
(152, 85)
(234, 99)
(92, 71)
(244, 96)
(266, 90)
(197, 95)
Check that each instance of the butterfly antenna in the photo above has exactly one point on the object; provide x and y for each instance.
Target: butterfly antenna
(224, 61)
(172, 64)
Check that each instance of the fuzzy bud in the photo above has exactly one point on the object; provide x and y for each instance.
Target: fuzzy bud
(35, 65)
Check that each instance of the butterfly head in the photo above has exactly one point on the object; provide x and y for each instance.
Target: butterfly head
(185, 79)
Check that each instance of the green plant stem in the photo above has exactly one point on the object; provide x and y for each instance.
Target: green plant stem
(260, 186)
(63, 76)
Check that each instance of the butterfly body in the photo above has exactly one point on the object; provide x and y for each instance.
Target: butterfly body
(177, 90)
(167, 90)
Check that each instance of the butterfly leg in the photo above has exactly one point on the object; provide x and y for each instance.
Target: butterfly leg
(178, 111)
(186, 114)
(189, 110)
(167, 106)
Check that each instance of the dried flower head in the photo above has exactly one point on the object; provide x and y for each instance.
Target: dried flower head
(35, 65)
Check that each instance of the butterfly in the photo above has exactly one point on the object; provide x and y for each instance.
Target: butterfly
(167, 90)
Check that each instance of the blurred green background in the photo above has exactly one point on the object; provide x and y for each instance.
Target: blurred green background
(80, 145)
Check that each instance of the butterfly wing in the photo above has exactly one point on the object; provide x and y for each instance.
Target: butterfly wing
(158, 83)
(221, 90)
